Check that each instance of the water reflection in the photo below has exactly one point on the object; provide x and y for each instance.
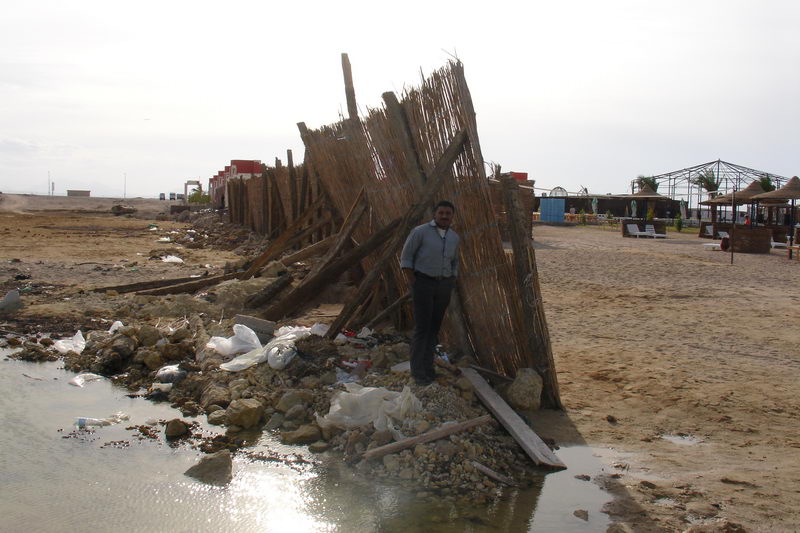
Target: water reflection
(53, 484)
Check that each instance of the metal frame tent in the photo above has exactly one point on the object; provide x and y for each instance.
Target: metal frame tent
(729, 175)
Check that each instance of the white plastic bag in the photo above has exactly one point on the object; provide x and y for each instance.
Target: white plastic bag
(244, 340)
(75, 344)
(83, 421)
(278, 352)
(115, 326)
(171, 259)
(11, 301)
(363, 405)
(81, 379)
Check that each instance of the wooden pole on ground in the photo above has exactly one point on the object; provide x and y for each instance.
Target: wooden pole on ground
(269, 292)
(388, 311)
(309, 251)
(190, 286)
(537, 334)
(412, 217)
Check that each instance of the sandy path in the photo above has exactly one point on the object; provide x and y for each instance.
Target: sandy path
(670, 339)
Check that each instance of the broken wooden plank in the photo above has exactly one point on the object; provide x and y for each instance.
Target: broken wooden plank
(434, 434)
(537, 335)
(292, 187)
(491, 373)
(354, 216)
(268, 293)
(191, 286)
(309, 251)
(144, 285)
(311, 287)
(493, 475)
(411, 218)
(388, 311)
(262, 328)
(535, 447)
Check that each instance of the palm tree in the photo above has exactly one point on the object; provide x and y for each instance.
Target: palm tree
(707, 180)
(766, 184)
(651, 182)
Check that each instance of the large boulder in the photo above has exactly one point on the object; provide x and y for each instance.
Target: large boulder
(244, 413)
(292, 398)
(123, 345)
(148, 335)
(525, 393)
(176, 428)
(303, 435)
(214, 469)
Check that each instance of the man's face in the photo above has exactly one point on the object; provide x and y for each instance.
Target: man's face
(443, 217)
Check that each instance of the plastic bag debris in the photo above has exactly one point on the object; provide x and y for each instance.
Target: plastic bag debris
(84, 421)
(11, 301)
(171, 259)
(115, 326)
(278, 352)
(170, 374)
(75, 344)
(244, 340)
(359, 405)
(81, 379)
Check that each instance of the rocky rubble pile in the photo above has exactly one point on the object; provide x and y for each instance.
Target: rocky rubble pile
(171, 362)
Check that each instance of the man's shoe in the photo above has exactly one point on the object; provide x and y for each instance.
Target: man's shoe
(423, 382)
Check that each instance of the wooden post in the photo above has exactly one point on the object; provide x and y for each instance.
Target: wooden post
(349, 90)
(292, 214)
(399, 120)
(357, 212)
(388, 311)
(538, 336)
(269, 292)
(309, 251)
(412, 217)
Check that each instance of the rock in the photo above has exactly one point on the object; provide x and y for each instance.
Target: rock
(148, 335)
(191, 408)
(382, 437)
(391, 462)
(215, 394)
(406, 473)
(151, 359)
(273, 269)
(297, 412)
(214, 469)
(420, 450)
(123, 345)
(445, 448)
(582, 514)
(217, 418)
(722, 526)
(214, 407)
(583, 477)
(180, 334)
(702, 509)
(328, 378)
(310, 382)
(292, 398)
(318, 447)
(422, 426)
(303, 435)
(120, 209)
(237, 387)
(274, 422)
(526, 390)
(11, 302)
(619, 527)
(464, 384)
(245, 413)
(176, 428)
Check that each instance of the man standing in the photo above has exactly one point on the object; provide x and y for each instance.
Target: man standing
(430, 263)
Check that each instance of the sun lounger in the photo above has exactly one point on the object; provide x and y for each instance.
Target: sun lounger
(633, 229)
(712, 246)
(651, 229)
(776, 244)
(723, 235)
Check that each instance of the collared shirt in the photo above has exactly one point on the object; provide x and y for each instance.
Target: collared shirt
(427, 252)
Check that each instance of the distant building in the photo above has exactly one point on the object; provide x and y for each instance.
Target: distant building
(239, 168)
(78, 193)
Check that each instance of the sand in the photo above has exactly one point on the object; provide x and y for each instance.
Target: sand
(652, 339)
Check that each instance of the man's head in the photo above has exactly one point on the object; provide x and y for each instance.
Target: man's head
(443, 214)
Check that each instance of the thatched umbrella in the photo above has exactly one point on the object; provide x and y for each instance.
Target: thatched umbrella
(790, 191)
(646, 193)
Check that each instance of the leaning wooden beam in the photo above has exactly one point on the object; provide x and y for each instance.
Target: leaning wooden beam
(434, 434)
(383, 315)
(357, 212)
(292, 186)
(349, 90)
(411, 218)
(269, 292)
(311, 287)
(309, 251)
(537, 334)
(399, 121)
(279, 245)
(143, 285)
(536, 449)
(191, 286)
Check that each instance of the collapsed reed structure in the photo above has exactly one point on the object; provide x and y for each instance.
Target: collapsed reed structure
(378, 174)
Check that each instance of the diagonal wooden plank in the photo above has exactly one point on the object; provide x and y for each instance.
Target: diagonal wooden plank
(522, 433)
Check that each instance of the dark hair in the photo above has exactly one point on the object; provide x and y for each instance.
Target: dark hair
(445, 203)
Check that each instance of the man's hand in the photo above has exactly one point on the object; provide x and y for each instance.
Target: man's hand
(409, 274)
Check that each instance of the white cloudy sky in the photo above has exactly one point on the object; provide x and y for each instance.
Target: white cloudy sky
(575, 92)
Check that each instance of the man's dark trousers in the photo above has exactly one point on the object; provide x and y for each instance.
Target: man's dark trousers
(431, 297)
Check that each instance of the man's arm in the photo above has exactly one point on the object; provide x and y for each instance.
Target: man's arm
(412, 244)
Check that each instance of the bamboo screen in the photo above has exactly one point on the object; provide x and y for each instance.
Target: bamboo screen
(350, 155)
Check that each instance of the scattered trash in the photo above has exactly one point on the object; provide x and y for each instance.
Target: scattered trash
(363, 405)
(81, 379)
(75, 344)
(115, 326)
(83, 422)
(170, 374)
(164, 239)
(21, 277)
(278, 352)
(244, 340)
(171, 259)
(11, 301)
(120, 209)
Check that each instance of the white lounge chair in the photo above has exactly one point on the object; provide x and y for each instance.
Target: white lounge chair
(651, 229)
(709, 231)
(633, 229)
(723, 235)
(776, 244)
(712, 246)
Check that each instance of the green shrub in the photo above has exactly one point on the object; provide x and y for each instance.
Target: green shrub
(197, 197)
(582, 214)
(678, 223)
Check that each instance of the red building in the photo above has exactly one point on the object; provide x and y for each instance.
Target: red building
(239, 168)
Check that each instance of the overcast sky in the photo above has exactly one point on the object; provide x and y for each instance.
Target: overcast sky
(574, 93)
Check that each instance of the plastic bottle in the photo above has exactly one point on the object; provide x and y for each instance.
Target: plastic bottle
(82, 422)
